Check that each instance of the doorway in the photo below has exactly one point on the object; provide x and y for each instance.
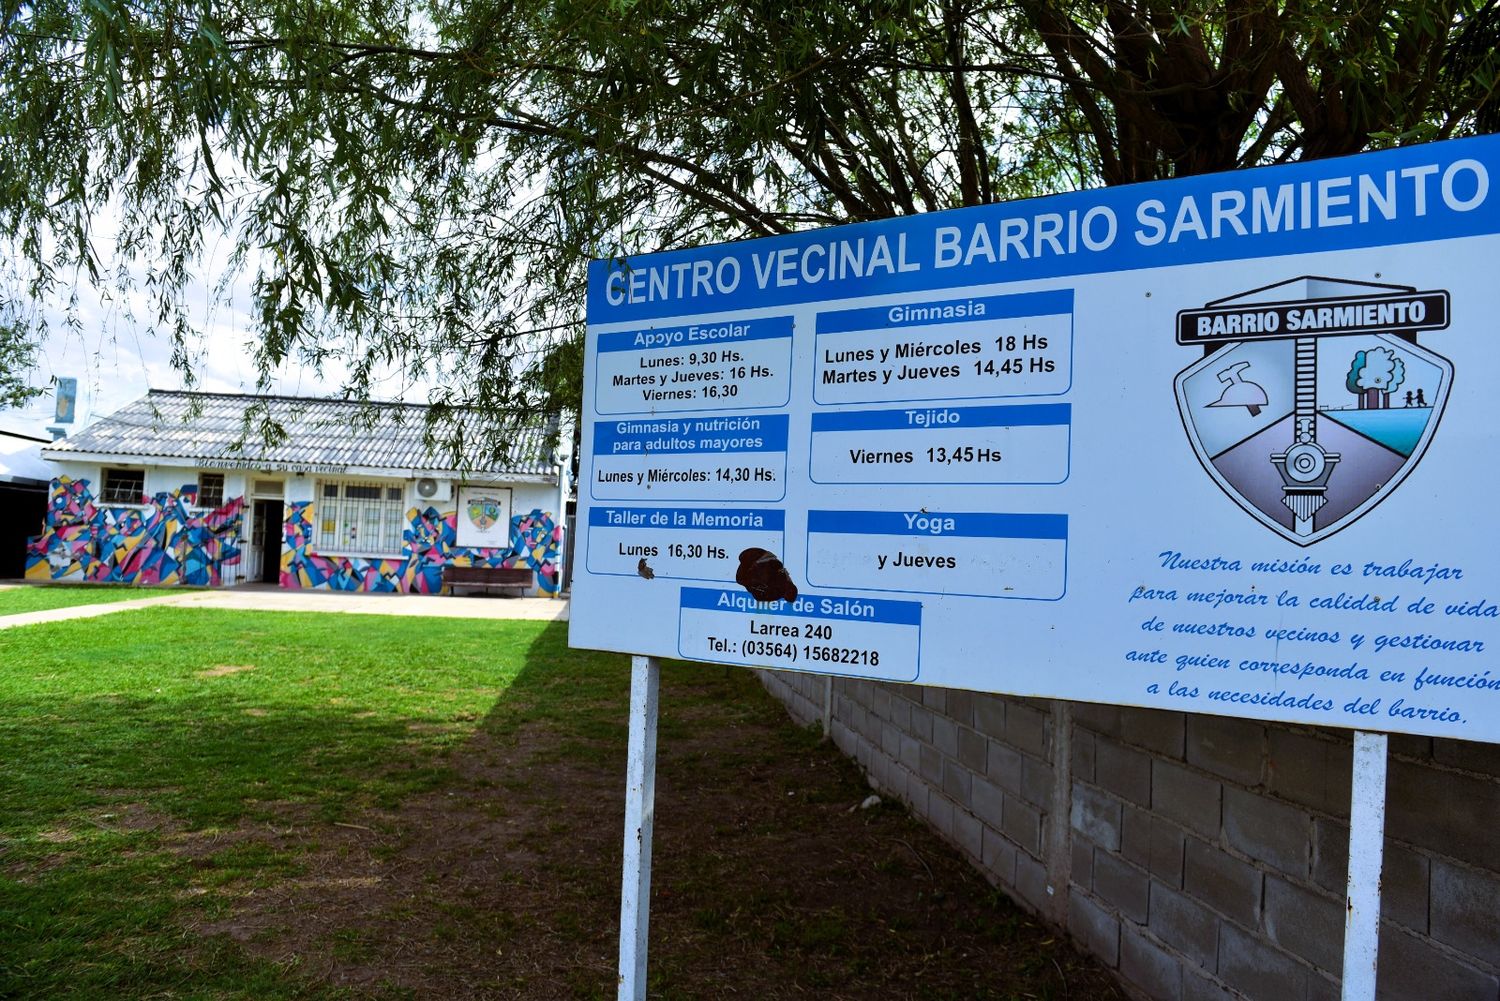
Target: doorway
(265, 540)
(22, 512)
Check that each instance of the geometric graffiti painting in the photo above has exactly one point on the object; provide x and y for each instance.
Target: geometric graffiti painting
(1313, 400)
(166, 539)
(430, 542)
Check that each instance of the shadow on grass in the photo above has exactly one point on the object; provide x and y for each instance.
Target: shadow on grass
(370, 807)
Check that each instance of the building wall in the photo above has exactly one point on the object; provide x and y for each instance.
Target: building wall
(429, 543)
(1200, 857)
(158, 479)
(164, 540)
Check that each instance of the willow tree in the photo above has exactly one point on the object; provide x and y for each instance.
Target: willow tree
(421, 182)
(17, 355)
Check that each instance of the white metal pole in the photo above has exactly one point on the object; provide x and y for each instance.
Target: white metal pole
(560, 566)
(1366, 851)
(640, 797)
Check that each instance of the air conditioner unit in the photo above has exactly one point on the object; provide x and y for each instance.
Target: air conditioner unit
(429, 489)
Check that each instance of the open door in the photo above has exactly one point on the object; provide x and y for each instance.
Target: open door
(22, 511)
(264, 558)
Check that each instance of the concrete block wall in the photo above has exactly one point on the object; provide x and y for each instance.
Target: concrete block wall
(1201, 857)
(979, 768)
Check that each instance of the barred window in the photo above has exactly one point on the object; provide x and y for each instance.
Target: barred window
(360, 517)
(210, 489)
(123, 486)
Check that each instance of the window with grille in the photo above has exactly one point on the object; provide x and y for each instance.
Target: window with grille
(359, 517)
(210, 489)
(122, 486)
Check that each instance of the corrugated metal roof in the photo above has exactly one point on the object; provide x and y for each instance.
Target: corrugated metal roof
(228, 429)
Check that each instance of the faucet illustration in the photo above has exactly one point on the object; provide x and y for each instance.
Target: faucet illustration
(1238, 392)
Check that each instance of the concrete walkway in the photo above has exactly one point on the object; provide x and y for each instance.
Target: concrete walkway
(81, 611)
(275, 599)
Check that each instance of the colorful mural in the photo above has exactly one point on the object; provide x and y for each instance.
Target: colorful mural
(535, 542)
(167, 543)
(429, 544)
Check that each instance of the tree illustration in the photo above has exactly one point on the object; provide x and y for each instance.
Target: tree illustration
(1373, 377)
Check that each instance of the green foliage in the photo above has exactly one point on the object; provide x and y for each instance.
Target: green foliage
(1168, 89)
(18, 343)
(419, 184)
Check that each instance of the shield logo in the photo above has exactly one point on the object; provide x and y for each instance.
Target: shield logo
(1313, 399)
(484, 512)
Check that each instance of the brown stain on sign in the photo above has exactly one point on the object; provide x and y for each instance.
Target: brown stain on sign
(763, 575)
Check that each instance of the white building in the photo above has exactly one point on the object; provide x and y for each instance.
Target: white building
(209, 488)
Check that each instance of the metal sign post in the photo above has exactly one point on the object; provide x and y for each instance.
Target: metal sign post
(1366, 852)
(640, 799)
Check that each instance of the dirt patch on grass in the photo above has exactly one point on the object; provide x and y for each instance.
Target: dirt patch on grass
(504, 883)
(78, 834)
(491, 887)
(119, 818)
(220, 670)
(134, 817)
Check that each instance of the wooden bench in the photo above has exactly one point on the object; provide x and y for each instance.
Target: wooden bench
(516, 581)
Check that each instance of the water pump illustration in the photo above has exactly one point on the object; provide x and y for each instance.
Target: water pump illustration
(1306, 465)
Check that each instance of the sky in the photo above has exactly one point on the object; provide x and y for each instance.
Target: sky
(116, 359)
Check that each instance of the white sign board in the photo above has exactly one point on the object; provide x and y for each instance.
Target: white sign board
(483, 517)
(1225, 444)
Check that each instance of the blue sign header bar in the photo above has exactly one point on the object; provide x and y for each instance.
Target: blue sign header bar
(991, 307)
(816, 606)
(920, 419)
(939, 524)
(672, 435)
(695, 518)
(698, 336)
(1434, 191)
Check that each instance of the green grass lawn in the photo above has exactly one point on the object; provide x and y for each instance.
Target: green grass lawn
(114, 731)
(15, 600)
(213, 804)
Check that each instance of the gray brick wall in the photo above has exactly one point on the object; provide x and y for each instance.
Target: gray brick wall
(1198, 856)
